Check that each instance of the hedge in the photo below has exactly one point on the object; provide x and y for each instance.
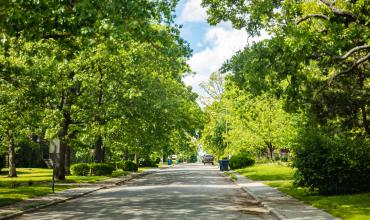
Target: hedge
(127, 166)
(95, 169)
(80, 169)
(147, 163)
(332, 164)
(101, 169)
(240, 161)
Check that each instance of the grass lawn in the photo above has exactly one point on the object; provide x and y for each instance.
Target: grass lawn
(12, 195)
(33, 182)
(348, 207)
(268, 171)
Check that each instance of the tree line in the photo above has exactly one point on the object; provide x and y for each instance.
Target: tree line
(305, 89)
(97, 75)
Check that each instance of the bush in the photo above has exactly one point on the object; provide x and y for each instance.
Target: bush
(80, 169)
(193, 159)
(332, 165)
(113, 164)
(284, 158)
(240, 161)
(101, 169)
(147, 163)
(127, 166)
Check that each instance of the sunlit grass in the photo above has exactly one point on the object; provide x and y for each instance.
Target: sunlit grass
(33, 182)
(347, 207)
(12, 195)
(268, 171)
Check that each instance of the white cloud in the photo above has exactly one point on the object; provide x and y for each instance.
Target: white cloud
(193, 12)
(222, 42)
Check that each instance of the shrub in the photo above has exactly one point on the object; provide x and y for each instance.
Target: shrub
(113, 164)
(147, 163)
(101, 169)
(127, 166)
(240, 161)
(284, 158)
(80, 169)
(193, 159)
(332, 165)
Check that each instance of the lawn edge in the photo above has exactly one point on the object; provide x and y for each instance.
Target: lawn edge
(269, 209)
(130, 177)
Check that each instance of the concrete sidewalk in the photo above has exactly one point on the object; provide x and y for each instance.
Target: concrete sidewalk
(281, 205)
(32, 204)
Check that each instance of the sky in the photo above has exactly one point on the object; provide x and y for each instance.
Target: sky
(211, 45)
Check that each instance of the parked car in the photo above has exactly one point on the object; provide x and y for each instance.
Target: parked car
(207, 158)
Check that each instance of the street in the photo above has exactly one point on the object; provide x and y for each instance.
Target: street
(192, 191)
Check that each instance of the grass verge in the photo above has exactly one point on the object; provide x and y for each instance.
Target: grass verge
(347, 207)
(32, 182)
(231, 175)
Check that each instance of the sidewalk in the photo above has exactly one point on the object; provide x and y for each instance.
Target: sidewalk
(32, 204)
(281, 205)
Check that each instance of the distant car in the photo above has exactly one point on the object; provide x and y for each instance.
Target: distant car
(207, 159)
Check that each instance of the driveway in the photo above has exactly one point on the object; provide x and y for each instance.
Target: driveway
(192, 191)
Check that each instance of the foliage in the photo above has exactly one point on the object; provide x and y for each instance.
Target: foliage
(254, 123)
(80, 169)
(101, 169)
(147, 162)
(238, 161)
(105, 75)
(332, 165)
(127, 166)
(314, 66)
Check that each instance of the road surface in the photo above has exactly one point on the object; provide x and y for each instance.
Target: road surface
(184, 192)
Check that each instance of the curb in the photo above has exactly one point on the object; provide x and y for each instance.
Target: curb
(13, 215)
(271, 210)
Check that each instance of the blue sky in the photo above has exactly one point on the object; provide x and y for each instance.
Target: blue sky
(212, 45)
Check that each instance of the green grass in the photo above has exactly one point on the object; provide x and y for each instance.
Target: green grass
(269, 171)
(232, 176)
(12, 195)
(347, 207)
(32, 182)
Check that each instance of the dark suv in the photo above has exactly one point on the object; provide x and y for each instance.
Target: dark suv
(207, 158)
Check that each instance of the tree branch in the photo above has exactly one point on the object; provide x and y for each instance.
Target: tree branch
(312, 16)
(354, 65)
(338, 11)
(357, 63)
(355, 49)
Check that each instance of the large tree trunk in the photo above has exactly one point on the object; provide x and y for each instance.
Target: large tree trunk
(98, 150)
(60, 161)
(11, 156)
(61, 157)
(270, 149)
(68, 160)
(126, 156)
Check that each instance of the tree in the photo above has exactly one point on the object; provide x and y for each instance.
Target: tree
(113, 68)
(317, 61)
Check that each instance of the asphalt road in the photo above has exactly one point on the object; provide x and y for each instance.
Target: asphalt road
(183, 192)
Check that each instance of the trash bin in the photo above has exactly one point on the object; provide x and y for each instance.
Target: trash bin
(169, 162)
(224, 165)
